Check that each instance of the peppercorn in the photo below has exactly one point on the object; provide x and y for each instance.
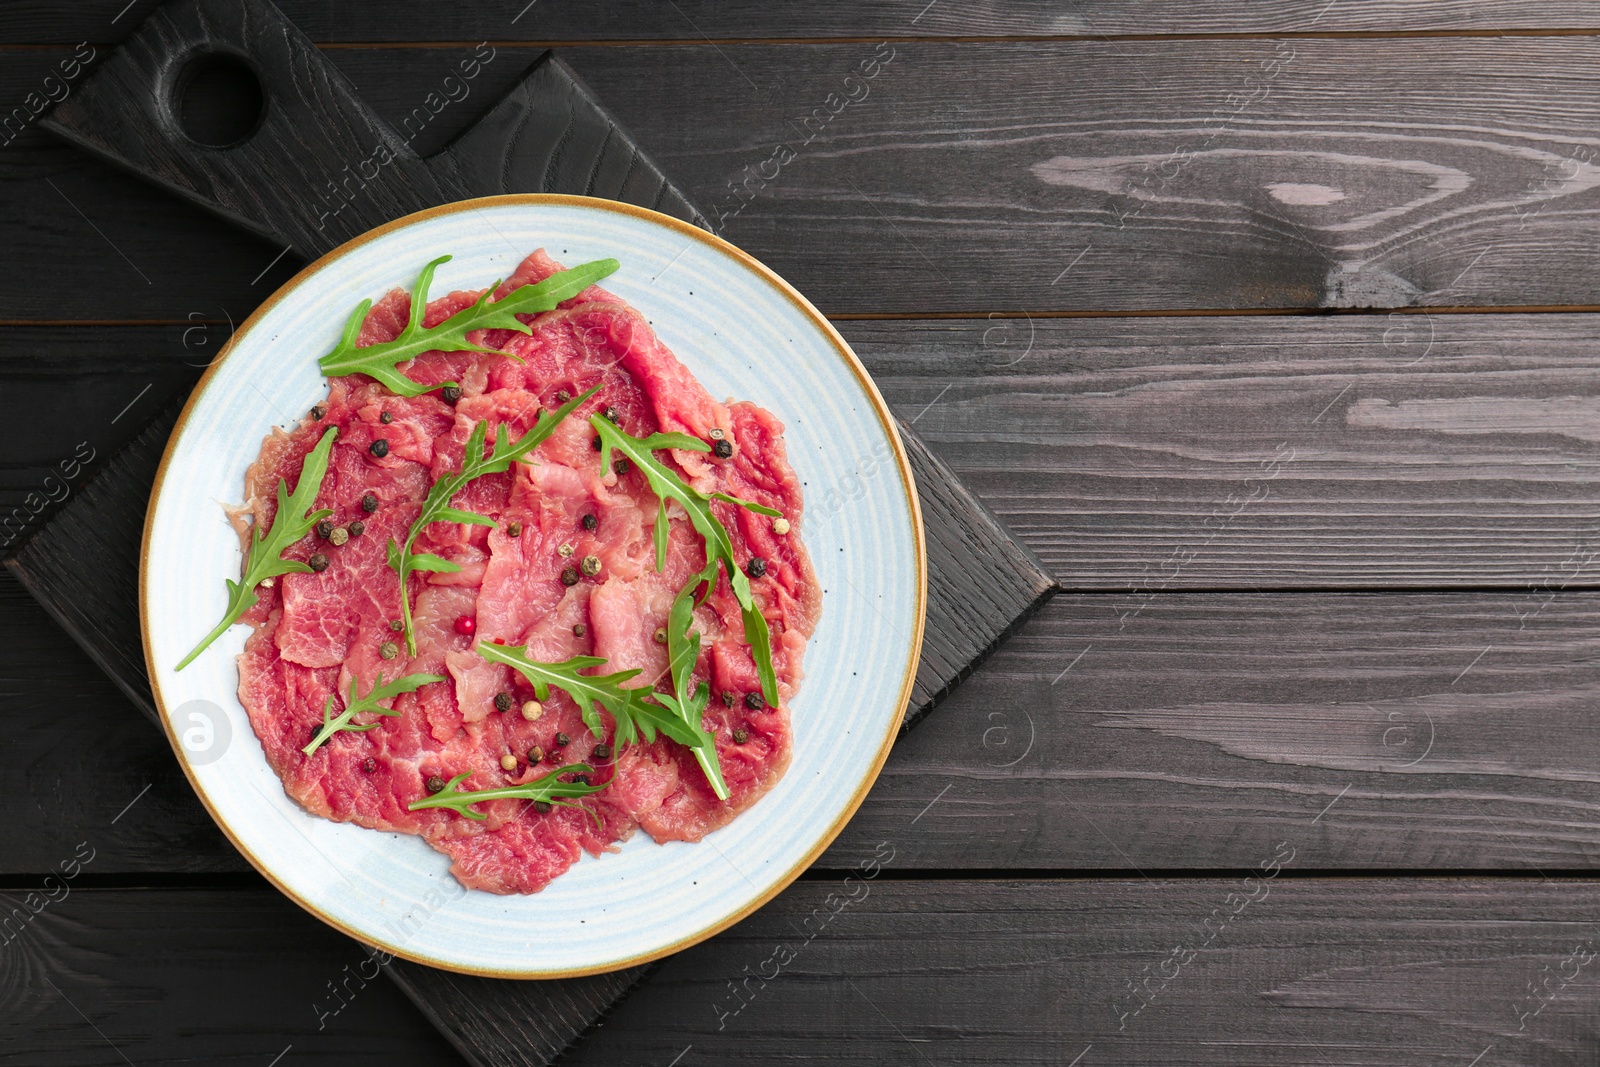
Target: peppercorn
(436, 784)
(569, 576)
(541, 806)
(596, 444)
(660, 635)
(379, 448)
(716, 435)
(580, 779)
(740, 735)
(450, 394)
(369, 765)
(780, 526)
(386, 418)
(369, 503)
(611, 413)
(590, 521)
(722, 449)
(465, 624)
(535, 754)
(324, 528)
(601, 751)
(396, 625)
(756, 568)
(562, 740)
(388, 650)
(338, 536)
(502, 701)
(579, 629)
(622, 466)
(357, 528)
(514, 529)
(590, 566)
(531, 710)
(318, 412)
(508, 762)
(562, 396)
(565, 550)
(318, 562)
(755, 701)
(727, 698)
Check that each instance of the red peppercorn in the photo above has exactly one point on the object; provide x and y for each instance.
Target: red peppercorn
(465, 624)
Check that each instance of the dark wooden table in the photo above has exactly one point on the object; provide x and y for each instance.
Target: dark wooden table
(1270, 327)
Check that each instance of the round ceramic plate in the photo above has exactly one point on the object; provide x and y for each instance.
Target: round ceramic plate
(744, 333)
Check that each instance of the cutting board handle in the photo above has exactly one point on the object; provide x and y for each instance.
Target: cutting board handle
(318, 168)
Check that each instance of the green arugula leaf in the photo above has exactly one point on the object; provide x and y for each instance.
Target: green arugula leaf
(293, 520)
(667, 484)
(683, 651)
(547, 789)
(627, 705)
(381, 361)
(332, 724)
(476, 461)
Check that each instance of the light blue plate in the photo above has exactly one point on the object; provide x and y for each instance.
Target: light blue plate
(745, 333)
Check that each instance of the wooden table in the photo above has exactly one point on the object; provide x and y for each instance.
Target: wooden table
(1270, 327)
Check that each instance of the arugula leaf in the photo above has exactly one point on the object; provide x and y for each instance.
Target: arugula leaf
(683, 651)
(263, 560)
(476, 461)
(332, 724)
(667, 484)
(547, 789)
(627, 705)
(381, 360)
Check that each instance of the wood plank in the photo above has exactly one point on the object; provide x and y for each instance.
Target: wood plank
(1193, 734)
(176, 976)
(1185, 174)
(38, 21)
(1308, 972)
(1141, 454)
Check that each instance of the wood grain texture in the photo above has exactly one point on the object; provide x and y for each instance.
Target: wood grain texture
(1312, 972)
(1439, 731)
(1066, 176)
(111, 977)
(38, 21)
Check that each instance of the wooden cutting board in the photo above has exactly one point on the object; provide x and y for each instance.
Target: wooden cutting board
(316, 169)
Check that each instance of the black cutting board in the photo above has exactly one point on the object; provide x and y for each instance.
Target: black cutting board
(304, 175)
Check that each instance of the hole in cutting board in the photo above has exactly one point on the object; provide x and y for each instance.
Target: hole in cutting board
(218, 100)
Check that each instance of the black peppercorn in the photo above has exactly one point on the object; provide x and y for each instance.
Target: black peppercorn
(357, 528)
(369, 765)
(580, 779)
(386, 418)
(756, 568)
(319, 412)
(601, 751)
(590, 522)
(379, 448)
(369, 503)
(727, 698)
(502, 701)
(622, 466)
(324, 528)
(436, 784)
(514, 529)
(740, 735)
(579, 629)
(535, 754)
(450, 394)
(569, 576)
(562, 396)
(611, 413)
(562, 740)
(318, 562)
(595, 444)
(754, 701)
(722, 449)
(541, 806)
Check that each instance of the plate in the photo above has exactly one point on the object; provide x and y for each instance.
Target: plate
(743, 332)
